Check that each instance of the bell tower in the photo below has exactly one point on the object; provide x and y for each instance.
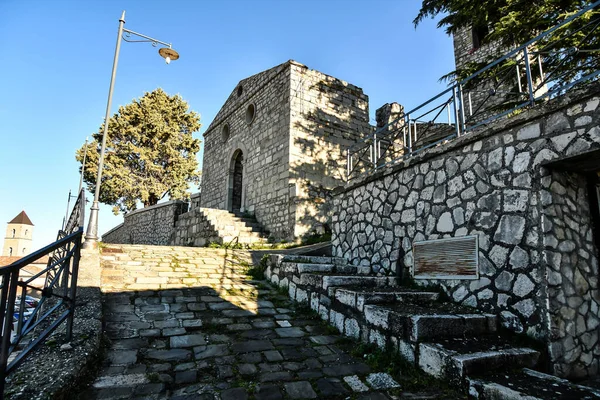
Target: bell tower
(18, 239)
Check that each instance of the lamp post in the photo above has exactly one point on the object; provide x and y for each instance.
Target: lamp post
(91, 234)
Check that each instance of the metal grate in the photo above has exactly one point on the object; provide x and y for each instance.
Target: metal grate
(452, 258)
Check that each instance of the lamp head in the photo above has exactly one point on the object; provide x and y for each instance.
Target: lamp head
(168, 54)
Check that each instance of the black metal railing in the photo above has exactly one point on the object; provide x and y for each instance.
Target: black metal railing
(545, 67)
(27, 321)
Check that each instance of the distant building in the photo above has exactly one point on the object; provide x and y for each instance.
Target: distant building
(18, 239)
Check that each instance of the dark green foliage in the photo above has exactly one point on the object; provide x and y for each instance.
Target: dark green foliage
(514, 22)
(150, 152)
(257, 272)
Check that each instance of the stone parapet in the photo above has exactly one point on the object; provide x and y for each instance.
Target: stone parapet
(149, 225)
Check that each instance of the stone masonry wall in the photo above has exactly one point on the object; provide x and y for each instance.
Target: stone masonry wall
(572, 274)
(328, 115)
(487, 183)
(265, 146)
(149, 225)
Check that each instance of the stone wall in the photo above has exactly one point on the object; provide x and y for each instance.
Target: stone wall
(489, 184)
(572, 273)
(149, 225)
(485, 95)
(328, 115)
(264, 143)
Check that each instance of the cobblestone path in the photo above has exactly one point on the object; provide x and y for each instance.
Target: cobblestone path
(186, 323)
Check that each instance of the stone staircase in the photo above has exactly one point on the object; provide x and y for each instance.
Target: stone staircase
(445, 340)
(203, 226)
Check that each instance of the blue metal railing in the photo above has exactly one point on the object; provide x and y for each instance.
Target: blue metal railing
(544, 67)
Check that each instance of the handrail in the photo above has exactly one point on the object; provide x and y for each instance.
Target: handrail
(31, 258)
(493, 101)
(58, 294)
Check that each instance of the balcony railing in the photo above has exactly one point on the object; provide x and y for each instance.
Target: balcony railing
(547, 66)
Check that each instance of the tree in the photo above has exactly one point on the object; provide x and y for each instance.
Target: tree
(150, 152)
(514, 22)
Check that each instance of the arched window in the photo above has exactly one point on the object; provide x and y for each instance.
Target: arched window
(10, 251)
(14, 232)
(23, 250)
(26, 232)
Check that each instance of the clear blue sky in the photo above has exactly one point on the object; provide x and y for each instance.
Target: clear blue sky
(57, 57)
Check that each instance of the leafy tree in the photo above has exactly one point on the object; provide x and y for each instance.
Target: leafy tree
(150, 152)
(514, 22)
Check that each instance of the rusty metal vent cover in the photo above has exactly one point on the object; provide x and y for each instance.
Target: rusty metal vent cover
(451, 258)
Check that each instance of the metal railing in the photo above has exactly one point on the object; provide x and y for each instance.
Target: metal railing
(545, 67)
(25, 327)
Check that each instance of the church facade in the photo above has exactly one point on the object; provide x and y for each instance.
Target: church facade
(278, 145)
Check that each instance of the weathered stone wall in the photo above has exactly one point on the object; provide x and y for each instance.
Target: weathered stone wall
(487, 183)
(265, 146)
(572, 274)
(149, 225)
(328, 115)
(193, 229)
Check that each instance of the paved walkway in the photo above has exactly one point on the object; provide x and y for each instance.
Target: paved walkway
(186, 323)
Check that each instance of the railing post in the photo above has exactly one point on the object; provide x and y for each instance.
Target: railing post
(462, 108)
(73, 289)
(520, 87)
(351, 166)
(348, 164)
(21, 310)
(456, 118)
(7, 306)
(409, 136)
(374, 159)
(470, 104)
(529, 80)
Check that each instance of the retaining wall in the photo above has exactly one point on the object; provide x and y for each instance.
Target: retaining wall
(150, 225)
(538, 265)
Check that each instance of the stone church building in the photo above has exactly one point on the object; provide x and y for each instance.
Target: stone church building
(278, 147)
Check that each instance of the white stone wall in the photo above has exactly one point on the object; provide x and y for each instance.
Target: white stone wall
(491, 184)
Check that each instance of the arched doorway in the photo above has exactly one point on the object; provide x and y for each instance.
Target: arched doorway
(236, 176)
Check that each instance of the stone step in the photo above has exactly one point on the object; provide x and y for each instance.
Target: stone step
(416, 323)
(330, 282)
(314, 259)
(300, 268)
(359, 297)
(530, 385)
(457, 358)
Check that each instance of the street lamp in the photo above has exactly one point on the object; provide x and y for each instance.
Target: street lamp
(91, 234)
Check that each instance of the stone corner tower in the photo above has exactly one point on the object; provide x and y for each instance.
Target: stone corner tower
(18, 239)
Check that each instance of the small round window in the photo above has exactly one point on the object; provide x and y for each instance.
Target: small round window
(250, 113)
(225, 133)
(240, 90)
